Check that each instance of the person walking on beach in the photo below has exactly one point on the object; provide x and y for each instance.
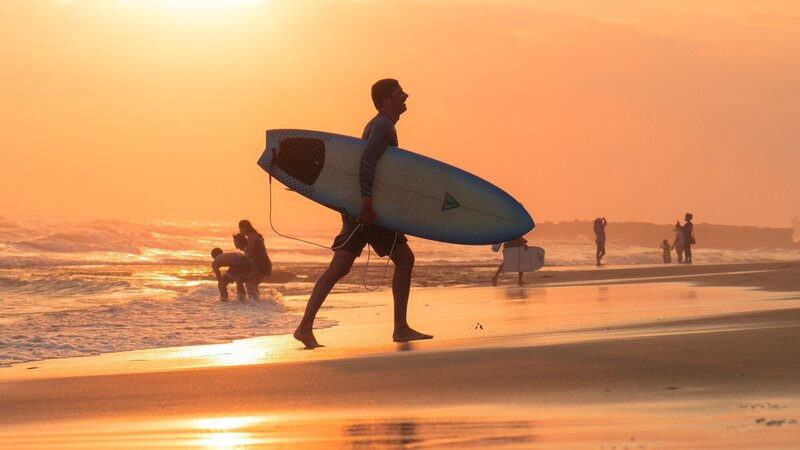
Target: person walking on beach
(518, 242)
(238, 271)
(677, 244)
(256, 252)
(688, 238)
(667, 251)
(390, 101)
(600, 237)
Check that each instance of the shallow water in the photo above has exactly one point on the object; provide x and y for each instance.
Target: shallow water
(75, 288)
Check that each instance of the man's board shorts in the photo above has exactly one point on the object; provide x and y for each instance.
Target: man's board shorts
(381, 239)
(239, 269)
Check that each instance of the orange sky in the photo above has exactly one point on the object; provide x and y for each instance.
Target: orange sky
(635, 110)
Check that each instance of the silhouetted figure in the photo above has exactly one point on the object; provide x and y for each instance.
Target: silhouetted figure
(677, 244)
(390, 101)
(667, 251)
(688, 238)
(238, 271)
(518, 242)
(600, 237)
(256, 252)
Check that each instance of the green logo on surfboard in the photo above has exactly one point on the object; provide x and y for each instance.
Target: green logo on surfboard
(449, 202)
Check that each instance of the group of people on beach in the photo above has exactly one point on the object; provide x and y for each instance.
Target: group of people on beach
(684, 239)
(247, 267)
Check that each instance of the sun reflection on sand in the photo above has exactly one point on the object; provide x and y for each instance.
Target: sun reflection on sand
(227, 433)
(237, 353)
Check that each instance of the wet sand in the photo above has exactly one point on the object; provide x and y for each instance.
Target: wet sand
(653, 357)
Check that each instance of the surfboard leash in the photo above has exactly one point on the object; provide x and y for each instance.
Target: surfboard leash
(385, 268)
(369, 247)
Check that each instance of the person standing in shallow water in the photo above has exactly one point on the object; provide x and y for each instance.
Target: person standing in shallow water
(256, 252)
(667, 251)
(688, 238)
(600, 238)
(390, 101)
(678, 243)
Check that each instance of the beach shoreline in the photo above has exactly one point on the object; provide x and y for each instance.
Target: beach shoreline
(570, 340)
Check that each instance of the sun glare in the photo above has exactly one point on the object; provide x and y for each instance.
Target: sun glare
(205, 10)
(190, 5)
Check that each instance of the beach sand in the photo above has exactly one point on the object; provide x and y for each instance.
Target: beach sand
(609, 357)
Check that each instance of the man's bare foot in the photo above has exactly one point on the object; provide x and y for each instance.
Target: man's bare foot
(409, 334)
(494, 281)
(307, 338)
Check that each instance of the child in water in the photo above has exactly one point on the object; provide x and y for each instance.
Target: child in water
(667, 251)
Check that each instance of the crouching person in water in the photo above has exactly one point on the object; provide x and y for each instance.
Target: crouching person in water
(239, 268)
(252, 243)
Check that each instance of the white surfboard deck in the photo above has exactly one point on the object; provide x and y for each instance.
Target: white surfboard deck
(412, 193)
(519, 259)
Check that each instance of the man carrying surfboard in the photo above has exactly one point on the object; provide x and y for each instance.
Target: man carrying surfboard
(390, 101)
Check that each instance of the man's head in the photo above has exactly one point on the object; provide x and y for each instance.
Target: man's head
(216, 252)
(388, 97)
(239, 241)
(688, 216)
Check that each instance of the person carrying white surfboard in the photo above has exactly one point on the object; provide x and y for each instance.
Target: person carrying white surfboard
(518, 242)
(390, 101)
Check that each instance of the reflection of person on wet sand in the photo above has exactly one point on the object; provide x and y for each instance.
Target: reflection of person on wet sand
(600, 237)
(238, 270)
(390, 101)
(518, 242)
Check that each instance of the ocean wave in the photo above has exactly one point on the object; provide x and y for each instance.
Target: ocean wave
(195, 317)
(60, 287)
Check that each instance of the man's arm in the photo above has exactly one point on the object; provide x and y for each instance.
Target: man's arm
(377, 141)
(215, 267)
(221, 285)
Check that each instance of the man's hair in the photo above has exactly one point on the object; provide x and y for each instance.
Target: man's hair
(216, 252)
(382, 89)
(689, 216)
(239, 241)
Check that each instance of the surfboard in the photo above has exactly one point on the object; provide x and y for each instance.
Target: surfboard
(412, 193)
(519, 259)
